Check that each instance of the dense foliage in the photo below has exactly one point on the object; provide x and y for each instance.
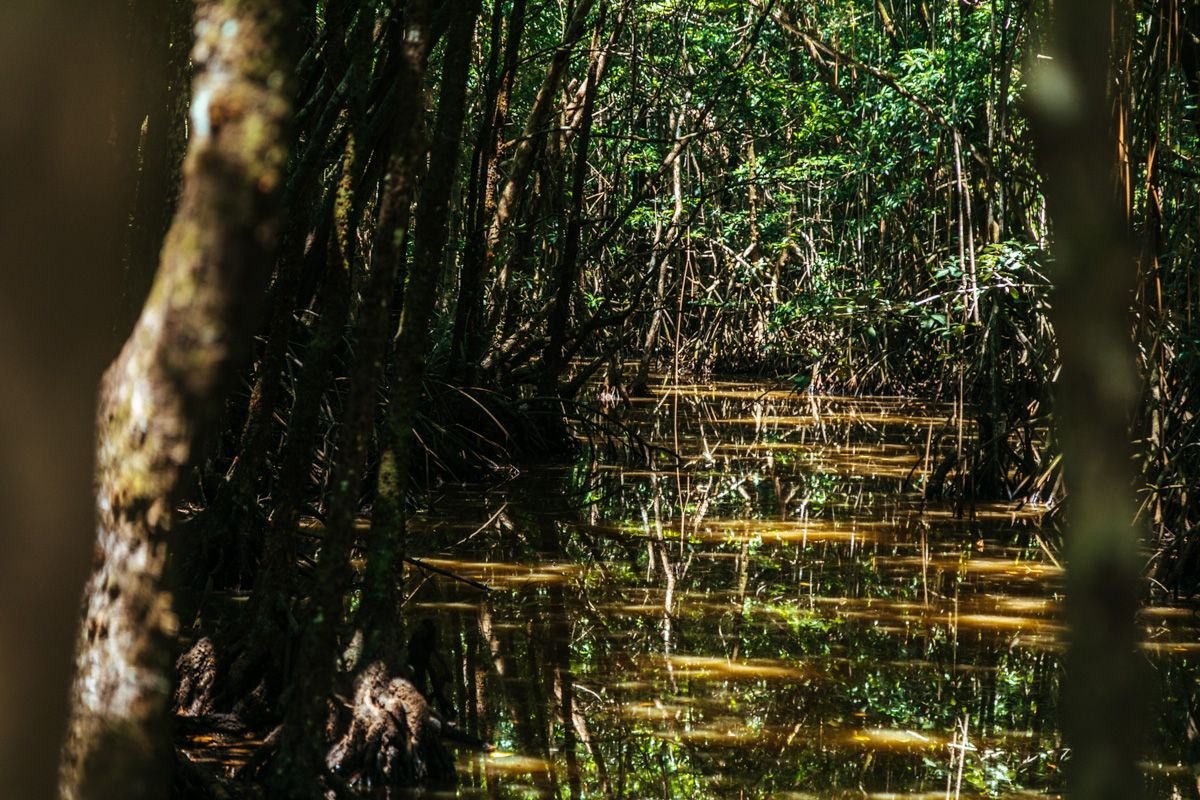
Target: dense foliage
(496, 216)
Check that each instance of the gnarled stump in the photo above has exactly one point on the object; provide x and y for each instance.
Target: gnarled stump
(196, 674)
(393, 739)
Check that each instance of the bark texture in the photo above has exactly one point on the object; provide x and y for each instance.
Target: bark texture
(166, 386)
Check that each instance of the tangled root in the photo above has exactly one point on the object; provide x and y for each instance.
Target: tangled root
(393, 739)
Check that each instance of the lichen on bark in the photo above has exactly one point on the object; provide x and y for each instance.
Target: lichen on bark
(165, 388)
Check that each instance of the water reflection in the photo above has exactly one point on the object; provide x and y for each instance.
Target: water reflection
(780, 614)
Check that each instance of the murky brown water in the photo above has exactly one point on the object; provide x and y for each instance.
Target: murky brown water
(779, 616)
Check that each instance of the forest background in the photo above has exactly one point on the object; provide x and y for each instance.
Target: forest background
(475, 209)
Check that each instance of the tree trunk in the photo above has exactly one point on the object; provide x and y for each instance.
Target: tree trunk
(641, 382)
(59, 286)
(379, 616)
(468, 312)
(1094, 277)
(300, 764)
(165, 388)
(567, 272)
(271, 601)
(523, 156)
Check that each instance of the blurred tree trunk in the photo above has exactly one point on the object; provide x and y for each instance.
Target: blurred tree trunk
(1094, 276)
(166, 387)
(59, 288)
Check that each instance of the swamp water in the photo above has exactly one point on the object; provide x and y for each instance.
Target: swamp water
(781, 616)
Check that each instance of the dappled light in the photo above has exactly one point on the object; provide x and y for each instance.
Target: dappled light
(732, 625)
(600, 399)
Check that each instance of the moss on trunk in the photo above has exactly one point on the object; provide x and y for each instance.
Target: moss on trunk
(166, 387)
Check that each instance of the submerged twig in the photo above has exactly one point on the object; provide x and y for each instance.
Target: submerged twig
(418, 563)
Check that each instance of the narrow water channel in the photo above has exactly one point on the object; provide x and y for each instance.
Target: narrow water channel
(780, 615)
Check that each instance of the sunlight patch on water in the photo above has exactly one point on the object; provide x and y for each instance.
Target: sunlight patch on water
(991, 512)
(979, 566)
(730, 734)
(1022, 605)
(655, 711)
(1169, 612)
(499, 574)
(894, 739)
(815, 530)
(710, 667)
(996, 622)
(508, 763)
(1171, 648)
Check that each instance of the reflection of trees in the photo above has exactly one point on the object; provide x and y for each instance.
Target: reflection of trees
(881, 620)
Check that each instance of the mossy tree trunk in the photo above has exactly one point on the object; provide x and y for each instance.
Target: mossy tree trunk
(166, 387)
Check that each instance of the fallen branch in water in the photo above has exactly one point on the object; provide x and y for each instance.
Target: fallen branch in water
(416, 562)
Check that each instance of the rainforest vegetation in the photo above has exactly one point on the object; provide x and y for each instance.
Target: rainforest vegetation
(601, 398)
